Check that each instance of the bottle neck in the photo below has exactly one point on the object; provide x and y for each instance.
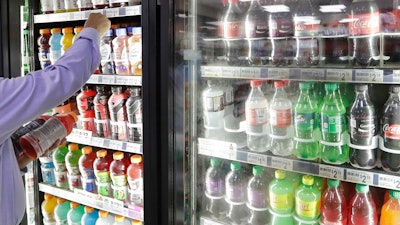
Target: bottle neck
(280, 92)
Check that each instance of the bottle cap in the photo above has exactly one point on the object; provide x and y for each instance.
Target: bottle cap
(88, 209)
(67, 30)
(304, 85)
(78, 29)
(394, 194)
(330, 86)
(26, 31)
(55, 30)
(87, 149)
(333, 183)
(308, 180)
(74, 205)
(136, 159)
(361, 87)
(103, 214)
(120, 31)
(136, 222)
(255, 83)
(61, 200)
(215, 162)
(101, 153)
(280, 174)
(235, 166)
(257, 170)
(48, 196)
(73, 147)
(395, 89)
(279, 84)
(136, 30)
(119, 218)
(44, 31)
(362, 188)
(118, 155)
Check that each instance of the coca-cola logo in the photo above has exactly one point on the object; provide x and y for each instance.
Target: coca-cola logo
(365, 24)
(391, 130)
(300, 27)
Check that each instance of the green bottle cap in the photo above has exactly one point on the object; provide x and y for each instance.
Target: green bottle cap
(257, 170)
(362, 188)
(394, 194)
(308, 180)
(304, 85)
(235, 166)
(280, 174)
(333, 183)
(331, 86)
(215, 162)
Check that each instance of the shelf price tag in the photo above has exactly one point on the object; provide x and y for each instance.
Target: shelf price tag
(232, 72)
(396, 76)
(209, 71)
(96, 141)
(133, 10)
(313, 74)
(123, 80)
(339, 75)
(116, 145)
(369, 76)
(112, 12)
(281, 163)
(81, 136)
(220, 149)
(358, 176)
(94, 79)
(249, 72)
(278, 73)
(258, 159)
(134, 147)
(113, 205)
(331, 172)
(389, 182)
(108, 79)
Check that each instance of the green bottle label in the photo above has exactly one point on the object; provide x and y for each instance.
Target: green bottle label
(307, 209)
(281, 201)
(332, 124)
(304, 121)
(103, 183)
(119, 186)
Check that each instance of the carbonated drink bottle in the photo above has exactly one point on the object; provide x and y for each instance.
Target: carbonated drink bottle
(86, 169)
(101, 167)
(134, 109)
(75, 214)
(362, 208)
(334, 148)
(71, 162)
(280, 119)
(391, 209)
(215, 189)
(307, 200)
(364, 30)
(257, 118)
(85, 106)
(333, 205)
(390, 131)
(135, 180)
(90, 216)
(107, 53)
(105, 218)
(55, 45)
(118, 168)
(235, 194)
(213, 111)
(44, 48)
(118, 116)
(281, 200)
(120, 43)
(101, 112)
(306, 31)
(66, 39)
(257, 200)
(363, 130)
(60, 169)
(256, 33)
(61, 211)
(306, 131)
(47, 206)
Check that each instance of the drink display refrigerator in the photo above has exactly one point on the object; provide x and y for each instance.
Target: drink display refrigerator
(272, 104)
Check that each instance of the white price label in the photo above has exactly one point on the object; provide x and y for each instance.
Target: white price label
(134, 148)
(258, 159)
(98, 142)
(112, 12)
(280, 163)
(133, 10)
(116, 145)
(396, 76)
(248, 72)
(369, 75)
(313, 74)
(94, 79)
(81, 136)
(359, 176)
(220, 149)
(278, 73)
(108, 79)
(339, 75)
(113, 204)
(389, 182)
(331, 172)
(208, 71)
(233, 72)
(123, 80)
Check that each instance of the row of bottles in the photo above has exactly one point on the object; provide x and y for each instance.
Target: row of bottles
(287, 198)
(105, 172)
(60, 211)
(120, 47)
(60, 6)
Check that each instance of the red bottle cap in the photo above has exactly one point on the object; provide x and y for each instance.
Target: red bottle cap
(255, 83)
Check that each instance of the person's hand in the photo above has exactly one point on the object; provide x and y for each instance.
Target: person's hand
(99, 22)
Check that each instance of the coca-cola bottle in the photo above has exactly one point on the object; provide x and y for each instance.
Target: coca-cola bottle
(256, 32)
(364, 31)
(363, 129)
(280, 30)
(390, 125)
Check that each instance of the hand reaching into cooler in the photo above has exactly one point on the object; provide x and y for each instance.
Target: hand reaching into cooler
(99, 22)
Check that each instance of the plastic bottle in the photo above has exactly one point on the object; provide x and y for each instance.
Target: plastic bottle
(333, 205)
(390, 130)
(280, 119)
(235, 190)
(307, 200)
(257, 200)
(90, 216)
(71, 5)
(257, 118)
(134, 110)
(281, 192)
(120, 47)
(135, 51)
(213, 110)
(306, 132)
(59, 6)
(118, 3)
(135, 180)
(60, 169)
(75, 214)
(55, 45)
(77, 30)
(71, 162)
(362, 208)
(61, 211)
(136, 222)
(120, 220)
(118, 168)
(47, 169)
(107, 53)
(100, 4)
(85, 106)
(44, 48)
(105, 218)
(84, 5)
(118, 116)
(101, 166)
(364, 32)
(363, 130)
(334, 148)
(47, 206)
(101, 112)
(66, 39)
(47, 6)
(391, 209)
(86, 169)
(215, 189)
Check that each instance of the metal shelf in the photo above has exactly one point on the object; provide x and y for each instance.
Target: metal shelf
(94, 200)
(83, 15)
(111, 79)
(226, 150)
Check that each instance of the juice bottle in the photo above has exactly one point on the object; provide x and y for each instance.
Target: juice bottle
(307, 200)
(55, 45)
(71, 162)
(47, 6)
(47, 169)
(66, 39)
(77, 30)
(86, 168)
(135, 51)
(44, 48)
(121, 220)
(107, 53)
(118, 115)
(134, 110)
(100, 4)
(281, 193)
(105, 218)
(362, 208)
(333, 205)
(85, 105)
(84, 5)
(48, 205)
(101, 166)
(60, 169)
(71, 5)
(118, 3)
(120, 44)
(59, 6)
(75, 214)
(90, 216)
(61, 210)
(135, 180)
(118, 168)
(102, 114)
(320, 183)
(391, 209)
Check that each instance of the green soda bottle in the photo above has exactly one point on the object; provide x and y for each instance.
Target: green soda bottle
(60, 169)
(334, 149)
(308, 200)
(281, 199)
(306, 136)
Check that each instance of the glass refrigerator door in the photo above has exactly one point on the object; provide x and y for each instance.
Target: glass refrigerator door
(286, 100)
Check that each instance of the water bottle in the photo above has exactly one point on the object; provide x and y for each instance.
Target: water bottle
(257, 200)
(213, 111)
(215, 189)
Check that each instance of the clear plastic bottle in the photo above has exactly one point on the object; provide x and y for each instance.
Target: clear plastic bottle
(135, 180)
(60, 169)
(362, 208)
(105, 218)
(280, 119)
(391, 209)
(47, 207)
(59, 6)
(86, 169)
(213, 110)
(118, 175)
(90, 216)
(120, 47)
(215, 189)
(101, 112)
(44, 48)
(257, 118)
(85, 106)
(71, 5)
(135, 51)
(333, 205)
(118, 116)
(84, 5)
(107, 53)
(257, 200)
(101, 166)
(281, 199)
(66, 39)
(100, 4)
(307, 201)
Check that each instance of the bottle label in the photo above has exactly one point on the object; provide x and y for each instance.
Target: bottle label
(120, 56)
(214, 104)
(332, 124)
(88, 173)
(256, 29)
(119, 192)
(257, 198)
(235, 193)
(281, 201)
(103, 188)
(60, 166)
(134, 110)
(391, 131)
(44, 58)
(228, 97)
(106, 58)
(135, 54)
(135, 197)
(59, 5)
(304, 121)
(72, 170)
(257, 116)
(215, 187)
(119, 180)
(364, 24)
(232, 29)
(306, 26)
(135, 184)
(307, 209)
(88, 185)
(61, 179)
(281, 117)
(47, 5)
(84, 4)
(280, 26)
(71, 4)
(363, 126)
(54, 55)
(85, 103)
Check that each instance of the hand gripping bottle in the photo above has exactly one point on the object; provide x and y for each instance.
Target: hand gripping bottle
(281, 199)
(47, 207)
(215, 189)
(235, 194)
(257, 200)
(362, 208)
(101, 112)
(44, 48)
(86, 169)
(213, 111)
(135, 51)
(280, 119)
(75, 214)
(120, 47)
(306, 131)
(256, 109)
(66, 39)
(334, 148)
(55, 45)
(107, 53)
(101, 166)
(118, 168)
(60, 169)
(391, 209)
(61, 211)
(105, 218)
(85, 105)
(90, 216)
(134, 110)
(307, 201)
(363, 129)
(121, 220)
(118, 116)
(333, 205)
(71, 162)
(135, 180)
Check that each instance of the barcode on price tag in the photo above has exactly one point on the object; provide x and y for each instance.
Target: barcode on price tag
(369, 75)
(278, 73)
(359, 176)
(280, 163)
(257, 159)
(248, 72)
(217, 148)
(331, 172)
(339, 75)
(389, 182)
(231, 72)
(313, 74)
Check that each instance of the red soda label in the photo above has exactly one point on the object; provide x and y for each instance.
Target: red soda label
(281, 117)
(231, 29)
(364, 24)
(280, 27)
(392, 131)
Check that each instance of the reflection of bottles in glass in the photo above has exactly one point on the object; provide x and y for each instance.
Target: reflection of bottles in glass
(213, 110)
(215, 189)
(257, 200)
